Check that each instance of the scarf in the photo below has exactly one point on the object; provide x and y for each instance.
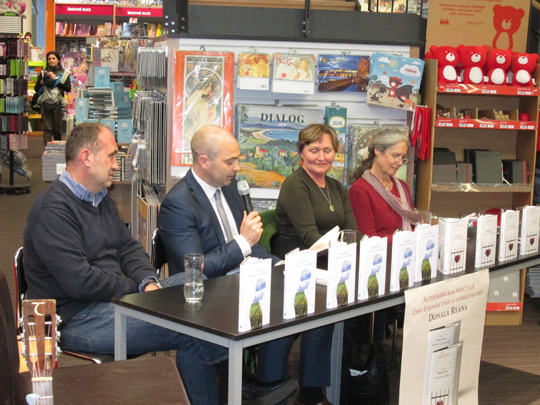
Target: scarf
(399, 204)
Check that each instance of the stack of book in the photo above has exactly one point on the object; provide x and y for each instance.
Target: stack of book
(53, 160)
(532, 286)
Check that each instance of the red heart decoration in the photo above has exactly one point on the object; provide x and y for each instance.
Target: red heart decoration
(456, 258)
(531, 241)
(488, 252)
(510, 246)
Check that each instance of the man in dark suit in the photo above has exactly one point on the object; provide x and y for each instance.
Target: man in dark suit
(190, 221)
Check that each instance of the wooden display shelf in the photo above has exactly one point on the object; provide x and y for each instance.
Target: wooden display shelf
(467, 123)
(491, 90)
(485, 188)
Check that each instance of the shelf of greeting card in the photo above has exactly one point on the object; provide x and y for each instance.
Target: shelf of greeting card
(485, 89)
(469, 123)
(482, 188)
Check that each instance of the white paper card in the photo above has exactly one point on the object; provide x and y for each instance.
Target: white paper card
(403, 260)
(372, 268)
(444, 375)
(508, 238)
(341, 275)
(299, 284)
(530, 220)
(486, 241)
(439, 338)
(452, 245)
(427, 247)
(254, 294)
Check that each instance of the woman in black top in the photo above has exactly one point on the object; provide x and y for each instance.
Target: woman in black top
(51, 114)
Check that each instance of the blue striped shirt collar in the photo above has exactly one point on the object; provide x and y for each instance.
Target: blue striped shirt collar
(80, 192)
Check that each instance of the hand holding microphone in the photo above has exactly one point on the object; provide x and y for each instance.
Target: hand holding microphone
(243, 190)
(251, 227)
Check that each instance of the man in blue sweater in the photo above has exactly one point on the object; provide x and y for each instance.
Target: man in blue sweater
(79, 252)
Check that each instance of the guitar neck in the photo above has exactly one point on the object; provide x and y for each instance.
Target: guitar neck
(42, 391)
(39, 330)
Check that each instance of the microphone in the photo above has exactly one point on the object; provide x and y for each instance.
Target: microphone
(243, 190)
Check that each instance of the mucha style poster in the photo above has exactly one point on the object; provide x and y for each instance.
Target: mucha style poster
(203, 90)
(294, 73)
(253, 71)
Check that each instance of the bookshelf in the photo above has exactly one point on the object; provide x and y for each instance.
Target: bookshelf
(13, 114)
(514, 138)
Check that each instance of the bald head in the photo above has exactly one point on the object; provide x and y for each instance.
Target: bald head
(208, 141)
(215, 155)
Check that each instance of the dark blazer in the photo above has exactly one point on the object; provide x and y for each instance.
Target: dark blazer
(188, 224)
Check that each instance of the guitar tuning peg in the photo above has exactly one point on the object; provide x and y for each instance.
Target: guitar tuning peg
(58, 319)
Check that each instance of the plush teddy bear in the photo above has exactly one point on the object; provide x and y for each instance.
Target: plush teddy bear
(523, 64)
(498, 63)
(448, 59)
(473, 58)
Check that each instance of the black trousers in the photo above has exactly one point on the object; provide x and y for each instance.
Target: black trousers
(51, 117)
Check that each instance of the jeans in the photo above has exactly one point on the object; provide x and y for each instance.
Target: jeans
(92, 330)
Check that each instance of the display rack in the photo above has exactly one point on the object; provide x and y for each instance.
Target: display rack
(515, 139)
(13, 112)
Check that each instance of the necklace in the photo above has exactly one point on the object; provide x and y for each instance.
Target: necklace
(328, 199)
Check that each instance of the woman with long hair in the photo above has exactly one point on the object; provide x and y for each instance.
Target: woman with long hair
(52, 112)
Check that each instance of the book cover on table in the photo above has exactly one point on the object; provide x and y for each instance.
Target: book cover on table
(299, 283)
(403, 260)
(340, 287)
(254, 293)
(372, 267)
(427, 250)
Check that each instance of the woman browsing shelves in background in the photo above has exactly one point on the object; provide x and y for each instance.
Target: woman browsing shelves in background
(51, 113)
(310, 204)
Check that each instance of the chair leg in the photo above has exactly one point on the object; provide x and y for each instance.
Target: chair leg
(394, 345)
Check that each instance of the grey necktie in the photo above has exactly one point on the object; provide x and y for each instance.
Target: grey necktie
(223, 216)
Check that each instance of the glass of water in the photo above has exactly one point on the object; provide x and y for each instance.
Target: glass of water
(194, 287)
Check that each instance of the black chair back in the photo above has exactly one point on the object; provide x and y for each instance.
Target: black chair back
(21, 286)
(159, 257)
(11, 388)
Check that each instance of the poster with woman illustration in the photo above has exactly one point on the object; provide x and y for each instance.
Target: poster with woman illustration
(202, 96)
(253, 71)
(294, 73)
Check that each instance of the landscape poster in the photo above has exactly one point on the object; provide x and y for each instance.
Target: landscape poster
(267, 136)
(343, 73)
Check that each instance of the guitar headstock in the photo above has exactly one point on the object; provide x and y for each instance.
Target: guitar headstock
(39, 333)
